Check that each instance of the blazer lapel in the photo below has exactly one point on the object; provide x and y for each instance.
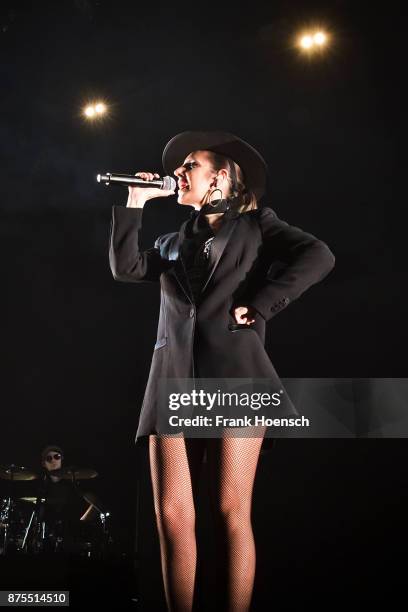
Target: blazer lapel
(218, 245)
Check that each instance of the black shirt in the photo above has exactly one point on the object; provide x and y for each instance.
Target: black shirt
(195, 252)
(63, 501)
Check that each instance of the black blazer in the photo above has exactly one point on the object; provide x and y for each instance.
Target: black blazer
(257, 260)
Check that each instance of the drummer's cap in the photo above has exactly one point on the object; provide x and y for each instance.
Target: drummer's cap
(50, 449)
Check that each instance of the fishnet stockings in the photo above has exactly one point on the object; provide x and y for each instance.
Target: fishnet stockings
(175, 465)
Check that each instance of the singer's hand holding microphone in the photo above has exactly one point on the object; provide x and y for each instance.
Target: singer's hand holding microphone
(138, 186)
(138, 196)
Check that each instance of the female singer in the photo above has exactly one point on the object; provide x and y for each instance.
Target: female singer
(230, 268)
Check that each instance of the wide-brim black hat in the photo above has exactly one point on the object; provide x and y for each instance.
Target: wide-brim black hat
(248, 159)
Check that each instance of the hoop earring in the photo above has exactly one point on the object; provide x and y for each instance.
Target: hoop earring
(210, 194)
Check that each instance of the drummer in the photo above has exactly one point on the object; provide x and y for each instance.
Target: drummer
(64, 503)
(51, 461)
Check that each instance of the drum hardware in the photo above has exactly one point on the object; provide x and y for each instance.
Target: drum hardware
(5, 513)
(35, 530)
(101, 542)
(11, 510)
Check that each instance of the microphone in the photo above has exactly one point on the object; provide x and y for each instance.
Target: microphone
(127, 180)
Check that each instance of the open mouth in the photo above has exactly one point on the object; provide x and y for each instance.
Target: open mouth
(183, 187)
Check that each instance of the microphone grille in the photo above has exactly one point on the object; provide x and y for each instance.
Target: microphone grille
(169, 183)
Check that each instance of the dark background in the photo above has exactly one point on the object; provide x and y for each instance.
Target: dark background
(76, 346)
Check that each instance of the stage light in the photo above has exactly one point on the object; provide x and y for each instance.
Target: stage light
(95, 110)
(90, 111)
(312, 41)
(100, 108)
(319, 38)
(306, 42)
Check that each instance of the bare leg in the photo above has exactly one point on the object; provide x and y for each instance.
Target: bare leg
(175, 465)
(232, 466)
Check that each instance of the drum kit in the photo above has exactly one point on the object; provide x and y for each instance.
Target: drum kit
(25, 529)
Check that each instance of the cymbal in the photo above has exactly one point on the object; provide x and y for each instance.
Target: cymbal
(32, 500)
(16, 472)
(74, 473)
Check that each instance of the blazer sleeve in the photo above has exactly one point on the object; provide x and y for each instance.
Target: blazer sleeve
(307, 261)
(127, 263)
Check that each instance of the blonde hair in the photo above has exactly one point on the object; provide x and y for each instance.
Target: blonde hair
(242, 199)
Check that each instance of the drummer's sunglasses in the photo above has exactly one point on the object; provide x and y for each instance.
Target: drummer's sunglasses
(56, 456)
